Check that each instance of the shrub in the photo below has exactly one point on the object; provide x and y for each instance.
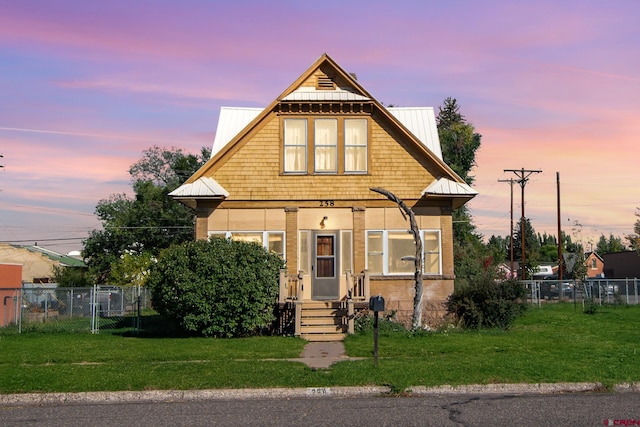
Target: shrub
(220, 287)
(486, 303)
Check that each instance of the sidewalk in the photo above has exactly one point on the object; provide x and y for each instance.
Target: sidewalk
(321, 355)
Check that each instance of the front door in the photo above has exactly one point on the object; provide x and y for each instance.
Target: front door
(324, 266)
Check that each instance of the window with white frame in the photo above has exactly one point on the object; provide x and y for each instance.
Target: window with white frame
(355, 145)
(326, 145)
(295, 145)
(336, 145)
(270, 240)
(387, 248)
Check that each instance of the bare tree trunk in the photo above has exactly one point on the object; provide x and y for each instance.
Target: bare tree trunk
(416, 322)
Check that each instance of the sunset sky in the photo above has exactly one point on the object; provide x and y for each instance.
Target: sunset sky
(86, 86)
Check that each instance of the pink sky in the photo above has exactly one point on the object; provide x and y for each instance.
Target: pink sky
(85, 87)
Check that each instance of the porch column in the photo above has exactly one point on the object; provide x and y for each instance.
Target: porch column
(358, 239)
(291, 218)
(446, 226)
(202, 222)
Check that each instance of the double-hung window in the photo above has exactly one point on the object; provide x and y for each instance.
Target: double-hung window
(355, 145)
(392, 252)
(295, 145)
(325, 145)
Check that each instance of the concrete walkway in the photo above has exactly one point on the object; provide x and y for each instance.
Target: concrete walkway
(321, 355)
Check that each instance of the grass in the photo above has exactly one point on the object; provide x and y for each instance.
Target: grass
(551, 344)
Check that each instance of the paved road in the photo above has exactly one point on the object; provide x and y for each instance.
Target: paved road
(571, 409)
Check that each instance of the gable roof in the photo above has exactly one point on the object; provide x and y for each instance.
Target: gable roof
(347, 84)
(416, 126)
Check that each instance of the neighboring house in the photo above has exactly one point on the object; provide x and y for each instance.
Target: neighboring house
(37, 262)
(296, 177)
(10, 285)
(622, 265)
(594, 264)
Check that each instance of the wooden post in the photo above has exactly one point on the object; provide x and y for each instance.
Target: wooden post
(375, 338)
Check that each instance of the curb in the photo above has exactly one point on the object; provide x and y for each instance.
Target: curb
(309, 392)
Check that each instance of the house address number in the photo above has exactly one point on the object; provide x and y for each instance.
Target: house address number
(327, 203)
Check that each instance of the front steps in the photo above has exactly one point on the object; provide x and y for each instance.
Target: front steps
(323, 321)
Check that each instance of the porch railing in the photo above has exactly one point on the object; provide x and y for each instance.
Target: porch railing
(358, 288)
(290, 286)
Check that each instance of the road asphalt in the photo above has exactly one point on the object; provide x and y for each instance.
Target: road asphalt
(316, 355)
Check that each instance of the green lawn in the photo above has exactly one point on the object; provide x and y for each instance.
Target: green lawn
(551, 344)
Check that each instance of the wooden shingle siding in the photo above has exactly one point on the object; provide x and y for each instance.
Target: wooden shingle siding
(254, 172)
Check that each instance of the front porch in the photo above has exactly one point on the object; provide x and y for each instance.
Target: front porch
(321, 320)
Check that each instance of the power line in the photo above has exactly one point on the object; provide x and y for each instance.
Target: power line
(523, 175)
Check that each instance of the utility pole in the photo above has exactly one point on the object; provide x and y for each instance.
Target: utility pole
(560, 261)
(511, 181)
(523, 177)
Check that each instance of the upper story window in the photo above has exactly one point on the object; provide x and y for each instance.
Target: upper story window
(295, 145)
(594, 263)
(326, 145)
(355, 145)
(336, 145)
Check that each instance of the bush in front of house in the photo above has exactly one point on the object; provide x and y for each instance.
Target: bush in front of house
(217, 288)
(485, 303)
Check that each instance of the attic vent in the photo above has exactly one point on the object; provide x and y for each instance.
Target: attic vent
(325, 83)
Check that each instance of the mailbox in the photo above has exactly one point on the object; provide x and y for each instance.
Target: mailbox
(376, 303)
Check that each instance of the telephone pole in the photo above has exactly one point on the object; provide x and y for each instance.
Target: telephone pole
(511, 181)
(523, 177)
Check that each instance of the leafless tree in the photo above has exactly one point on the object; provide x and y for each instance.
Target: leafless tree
(416, 322)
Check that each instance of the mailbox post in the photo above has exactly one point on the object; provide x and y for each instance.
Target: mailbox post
(376, 304)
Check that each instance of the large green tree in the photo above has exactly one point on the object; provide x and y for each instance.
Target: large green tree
(610, 245)
(149, 220)
(459, 143)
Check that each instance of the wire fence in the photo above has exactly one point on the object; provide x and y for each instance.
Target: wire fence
(48, 308)
(600, 291)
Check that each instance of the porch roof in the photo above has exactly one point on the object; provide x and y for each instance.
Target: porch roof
(201, 188)
(449, 188)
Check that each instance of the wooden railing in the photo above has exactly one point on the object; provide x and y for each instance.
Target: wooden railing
(358, 286)
(290, 286)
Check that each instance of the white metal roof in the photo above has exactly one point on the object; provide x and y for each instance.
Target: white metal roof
(445, 186)
(201, 187)
(311, 94)
(231, 121)
(420, 121)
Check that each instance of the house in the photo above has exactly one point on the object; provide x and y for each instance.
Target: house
(37, 262)
(622, 265)
(10, 285)
(594, 264)
(296, 177)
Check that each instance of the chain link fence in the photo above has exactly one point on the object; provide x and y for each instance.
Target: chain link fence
(600, 291)
(48, 308)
